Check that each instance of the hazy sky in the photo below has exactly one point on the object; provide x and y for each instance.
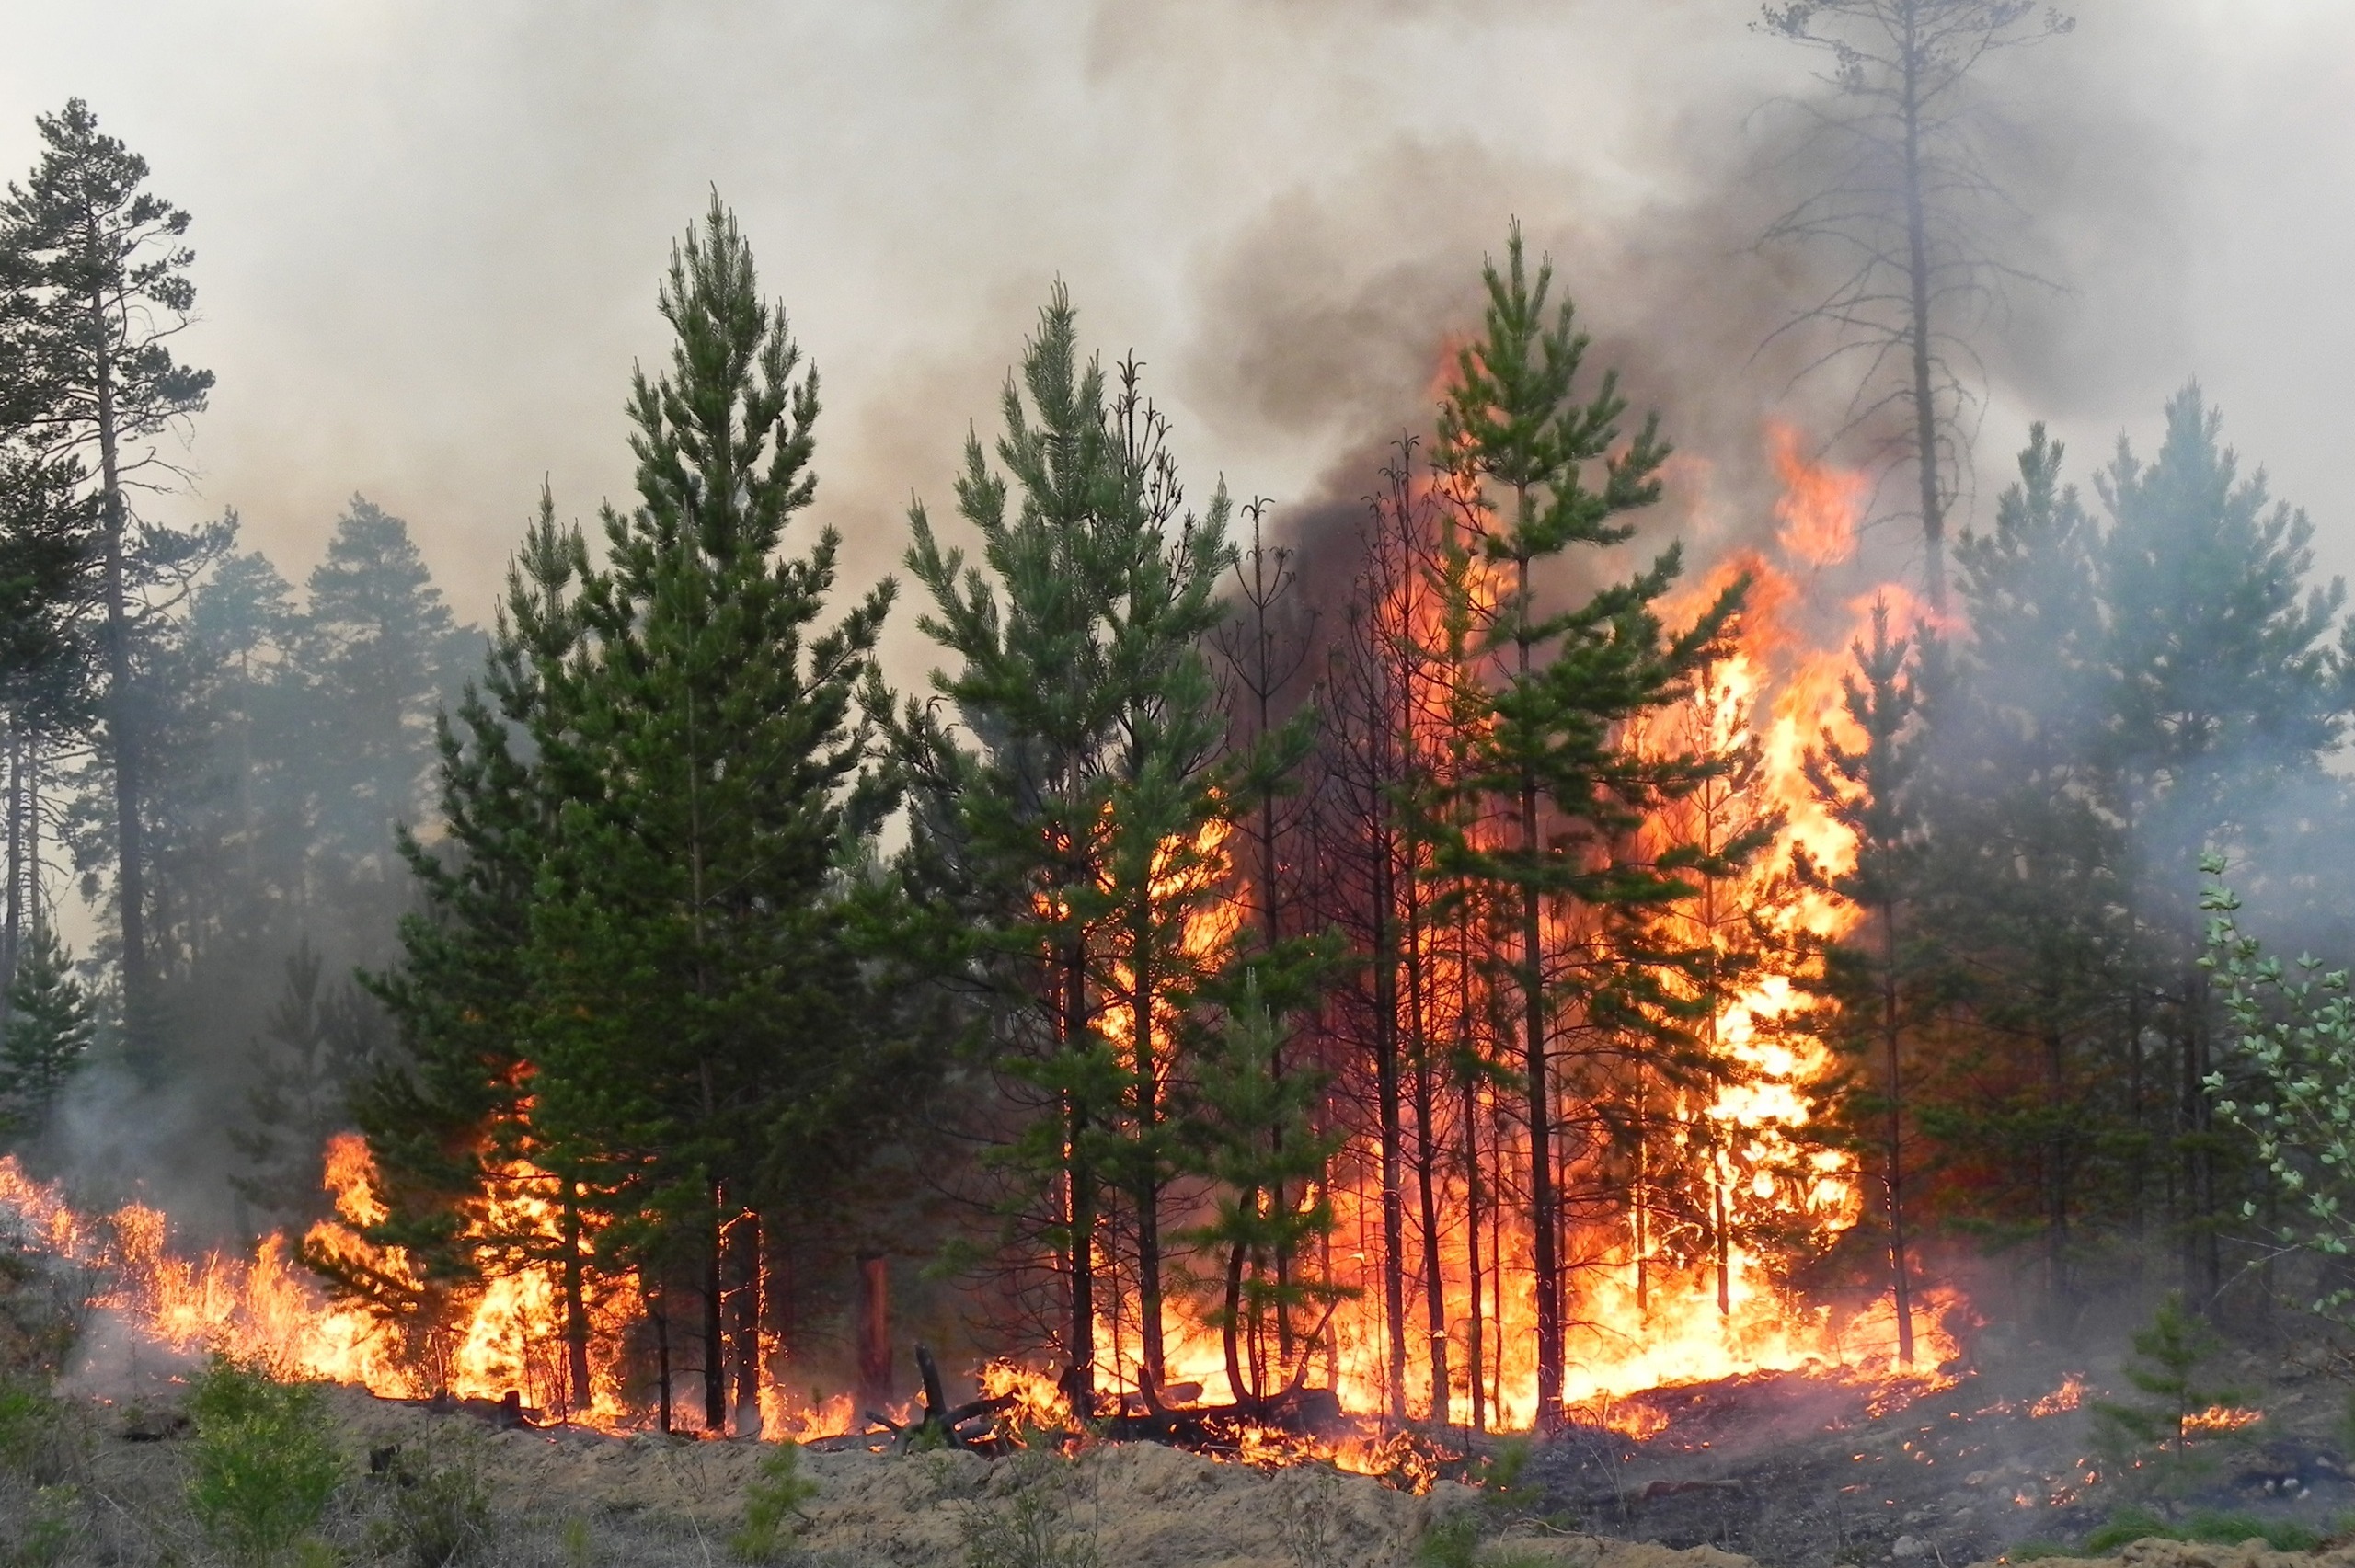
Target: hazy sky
(429, 232)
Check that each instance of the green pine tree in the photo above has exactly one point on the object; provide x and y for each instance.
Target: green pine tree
(51, 1024)
(375, 649)
(98, 275)
(447, 1106)
(1537, 467)
(2019, 876)
(317, 1042)
(700, 1044)
(2157, 1436)
(1876, 975)
(2225, 693)
(1072, 822)
(1257, 1128)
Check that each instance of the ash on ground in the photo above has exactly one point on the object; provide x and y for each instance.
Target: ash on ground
(1796, 1470)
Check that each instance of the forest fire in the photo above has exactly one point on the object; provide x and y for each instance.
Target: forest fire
(1677, 1247)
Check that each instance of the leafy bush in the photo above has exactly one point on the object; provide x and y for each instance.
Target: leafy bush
(263, 1466)
(772, 1507)
(437, 1505)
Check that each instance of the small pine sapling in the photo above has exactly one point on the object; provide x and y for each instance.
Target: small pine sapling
(2154, 1446)
(773, 1516)
(264, 1466)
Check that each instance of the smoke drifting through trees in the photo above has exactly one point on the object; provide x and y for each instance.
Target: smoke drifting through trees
(1215, 1087)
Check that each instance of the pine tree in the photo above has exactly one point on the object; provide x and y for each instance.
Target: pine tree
(44, 688)
(2019, 875)
(100, 277)
(1518, 444)
(2224, 691)
(700, 1047)
(1084, 823)
(448, 1107)
(51, 1024)
(318, 1043)
(1258, 1125)
(376, 648)
(2171, 1367)
(1870, 788)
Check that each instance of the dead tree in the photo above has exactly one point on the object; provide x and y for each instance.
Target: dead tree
(1908, 206)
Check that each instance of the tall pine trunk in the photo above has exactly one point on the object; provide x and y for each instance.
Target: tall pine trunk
(123, 717)
(745, 1247)
(579, 1391)
(1147, 1190)
(1545, 1268)
(1079, 1178)
(715, 1324)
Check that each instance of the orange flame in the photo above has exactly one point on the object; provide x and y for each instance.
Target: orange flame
(1821, 507)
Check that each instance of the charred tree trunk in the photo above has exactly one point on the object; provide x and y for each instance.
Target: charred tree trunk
(714, 1318)
(1544, 1220)
(1919, 289)
(1387, 1095)
(579, 1392)
(1152, 1355)
(746, 1250)
(1079, 1371)
(1893, 1151)
(874, 1332)
(1434, 1275)
(661, 1312)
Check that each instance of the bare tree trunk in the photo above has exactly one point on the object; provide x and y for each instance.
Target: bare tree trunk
(1545, 1270)
(1476, 1349)
(660, 1305)
(715, 1323)
(579, 1392)
(1925, 413)
(12, 939)
(1079, 1371)
(746, 1249)
(1152, 1355)
(1434, 1275)
(873, 1332)
(1893, 1153)
(1386, 1092)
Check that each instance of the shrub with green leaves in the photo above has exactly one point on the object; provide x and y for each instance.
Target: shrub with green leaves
(264, 1465)
(2288, 1078)
(37, 1436)
(773, 1501)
